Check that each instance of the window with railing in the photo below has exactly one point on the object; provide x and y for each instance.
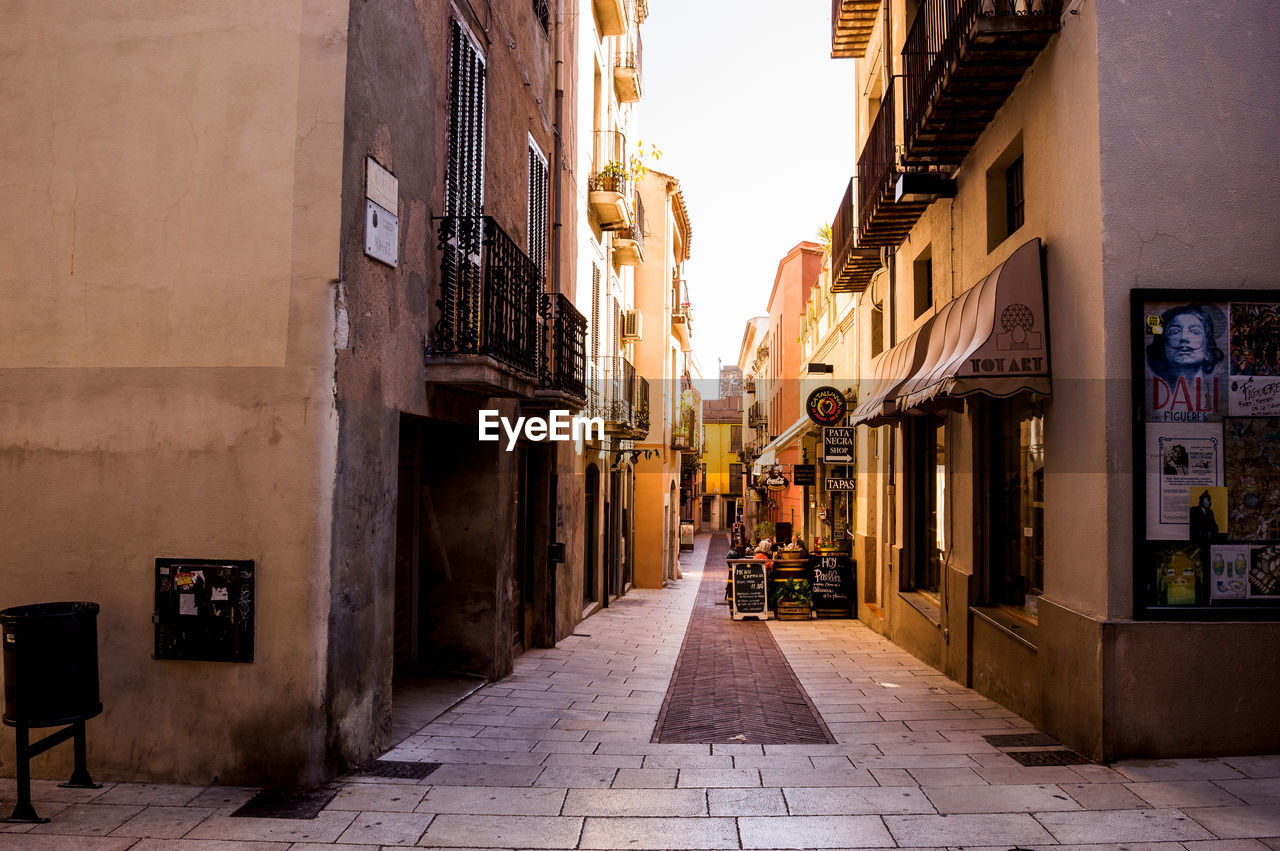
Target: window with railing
(490, 294)
(566, 355)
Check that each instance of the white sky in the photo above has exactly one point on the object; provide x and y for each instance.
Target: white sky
(756, 120)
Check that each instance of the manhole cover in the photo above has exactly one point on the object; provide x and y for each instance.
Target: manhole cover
(396, 768)
(287, 803)
(1020, 740)
(1056, 757)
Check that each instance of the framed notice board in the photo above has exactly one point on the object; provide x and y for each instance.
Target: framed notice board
(204, 609)
(1206, 368)
(749, 596)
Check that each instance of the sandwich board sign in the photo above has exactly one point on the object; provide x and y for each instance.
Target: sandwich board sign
(748, 589)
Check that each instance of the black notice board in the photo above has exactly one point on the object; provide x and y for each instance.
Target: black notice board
(833, 589)
(204, 609)
(804, 474)
(749, 595)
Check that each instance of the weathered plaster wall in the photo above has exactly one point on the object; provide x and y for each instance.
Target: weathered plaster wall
(166, 358)
(1191, 194)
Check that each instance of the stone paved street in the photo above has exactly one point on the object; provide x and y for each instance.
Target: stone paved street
(558, 756)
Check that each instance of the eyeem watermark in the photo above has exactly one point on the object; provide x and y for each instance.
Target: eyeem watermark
(558, 426)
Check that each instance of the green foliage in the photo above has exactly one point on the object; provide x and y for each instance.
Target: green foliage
(764, 529)
(793, 591)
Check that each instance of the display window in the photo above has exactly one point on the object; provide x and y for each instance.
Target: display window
(1015, 573)
(1206, 366)
(929, 492)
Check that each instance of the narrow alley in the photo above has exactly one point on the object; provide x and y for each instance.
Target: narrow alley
(561, 755)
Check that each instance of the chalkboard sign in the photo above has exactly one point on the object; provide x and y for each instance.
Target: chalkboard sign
(749, 598)
(204, 609)
(833, 589)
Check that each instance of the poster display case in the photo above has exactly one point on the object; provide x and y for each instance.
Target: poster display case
(1206, 377)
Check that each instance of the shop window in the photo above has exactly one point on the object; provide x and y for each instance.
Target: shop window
(1015, 578)
(923, 271)
(1006, 200)
(928, 495)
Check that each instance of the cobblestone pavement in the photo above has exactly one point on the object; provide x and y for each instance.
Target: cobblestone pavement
(558, 756)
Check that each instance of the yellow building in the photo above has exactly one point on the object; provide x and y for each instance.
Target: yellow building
(722, 468)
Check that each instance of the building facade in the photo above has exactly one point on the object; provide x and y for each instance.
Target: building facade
(721, 469)
(258, 320)
(1000, 255)
(662, 357)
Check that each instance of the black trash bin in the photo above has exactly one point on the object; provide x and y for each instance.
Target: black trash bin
(50, 653)
(50, 663)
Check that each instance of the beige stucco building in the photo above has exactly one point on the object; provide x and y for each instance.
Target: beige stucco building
(265, 267)
(992, 250)
(663, 358)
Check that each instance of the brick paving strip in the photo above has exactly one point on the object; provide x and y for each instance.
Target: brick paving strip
(731, 682)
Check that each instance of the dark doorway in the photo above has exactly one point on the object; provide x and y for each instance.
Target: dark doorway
(590, 530)
(408, 588)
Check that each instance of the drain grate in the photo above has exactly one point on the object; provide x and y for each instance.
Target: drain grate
(287, 803)
(399, 769)
(1021, 740)
(1054, 757)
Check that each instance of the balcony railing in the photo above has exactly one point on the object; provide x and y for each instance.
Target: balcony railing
(621, 392)
(609, 186)
(962, 59)
(686, 432)
(852, 265)
(756, 417)
(628, 244)
(566, 346)
(642, 409)
(627, 70)
(851, 24)
(490, 295)
(881, 219)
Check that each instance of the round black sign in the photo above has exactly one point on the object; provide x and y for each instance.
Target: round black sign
(776, 482)
(825, 406)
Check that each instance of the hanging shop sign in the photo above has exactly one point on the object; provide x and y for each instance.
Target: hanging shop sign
(840, 484)
(825, 406)
(775, 482)
(804, 474)
(1207, 445)
(837, 444)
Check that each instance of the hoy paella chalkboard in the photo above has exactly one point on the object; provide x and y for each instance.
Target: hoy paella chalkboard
(748, 589)
(833, 585)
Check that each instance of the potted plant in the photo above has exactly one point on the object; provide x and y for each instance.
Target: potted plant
(793, 600)
(764, 529)
(611, 178)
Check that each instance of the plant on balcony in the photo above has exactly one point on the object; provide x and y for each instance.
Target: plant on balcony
(611, 178)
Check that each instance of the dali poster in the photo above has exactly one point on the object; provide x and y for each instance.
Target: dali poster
(1185, 352)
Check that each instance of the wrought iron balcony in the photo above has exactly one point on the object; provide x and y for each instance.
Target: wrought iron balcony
(851, 265)
(488, 334)
(642, 409)
(609, 189)
(962, 59)
(620, 396)
(628, 245)
(686, 432)
(565, 374)
(757, 418)
(883, 220)
(851, 24)
(626, 71)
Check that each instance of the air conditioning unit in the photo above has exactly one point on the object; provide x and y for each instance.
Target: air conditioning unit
(631, 325)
